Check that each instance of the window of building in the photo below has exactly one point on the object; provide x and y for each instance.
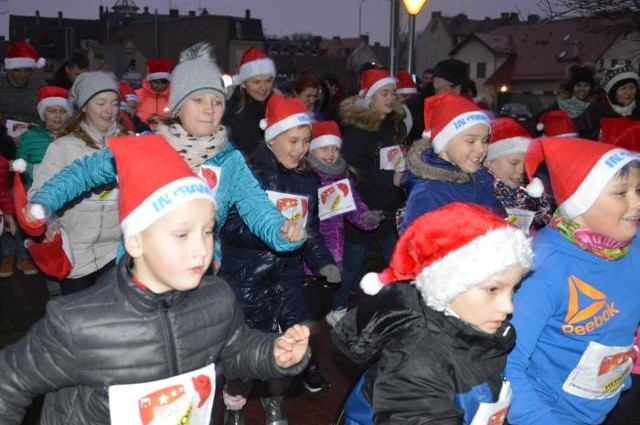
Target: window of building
(481, 70)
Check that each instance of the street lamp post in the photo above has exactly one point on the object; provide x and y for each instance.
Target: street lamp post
(360, 18)
(413, 8)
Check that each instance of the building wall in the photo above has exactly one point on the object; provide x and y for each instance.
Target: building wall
(432, 45)
(624, 49)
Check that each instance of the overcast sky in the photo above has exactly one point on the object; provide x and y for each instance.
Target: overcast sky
(281, 17)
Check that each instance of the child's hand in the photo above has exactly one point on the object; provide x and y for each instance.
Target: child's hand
(10, 224)
(34, 213)
(397, 178)
(291, 346)
(52, 230)
(292, 231)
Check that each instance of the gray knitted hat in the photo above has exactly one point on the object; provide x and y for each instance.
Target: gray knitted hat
(89, 84)
(196, 73)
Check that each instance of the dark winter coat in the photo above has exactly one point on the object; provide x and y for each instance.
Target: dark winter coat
(117, 333)
(268, 284)
(244, 125)
(364, 133)
(431, 182)
(588, 124)
(427, 367)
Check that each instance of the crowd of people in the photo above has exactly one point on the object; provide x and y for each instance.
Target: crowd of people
(177, 226)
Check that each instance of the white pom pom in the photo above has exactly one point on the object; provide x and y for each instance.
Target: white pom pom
(41, 62)
(535, 188)
(263, 124)
(370, 284)
(38, 212)
(539, 126)
(19, 165)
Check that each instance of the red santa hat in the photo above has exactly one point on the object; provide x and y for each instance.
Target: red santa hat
(621, 131)
(447, 251)
(22, 55)
(127, 93)
(373, 80)
(557, 124)
(55, 257)
(159, 69)
(508, 137)
(150, 192)
(405, 83)
(283, 114)
(447, 115)
(325, 133)
(52, 96)
(579, 169)
(254, 62)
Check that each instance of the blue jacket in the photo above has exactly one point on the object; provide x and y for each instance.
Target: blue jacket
(431, 182)
(572, 301)
(268, 285)
(237, 188)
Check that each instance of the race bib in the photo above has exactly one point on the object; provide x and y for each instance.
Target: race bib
(522, 219)
(185, 399)
(600, 372)
(392, 158)
(335, 199)
(211, 175)
(494, 413)
(293, 207)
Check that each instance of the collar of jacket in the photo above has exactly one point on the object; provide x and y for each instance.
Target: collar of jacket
(354, 114)
(423, 162)
(140, 299)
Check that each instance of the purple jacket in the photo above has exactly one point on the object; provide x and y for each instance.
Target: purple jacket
(332, 229)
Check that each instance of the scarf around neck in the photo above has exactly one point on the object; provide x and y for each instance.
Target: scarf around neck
(599, 245)
(336, 169)
(194, 150)
(572, 106)
(624, 111)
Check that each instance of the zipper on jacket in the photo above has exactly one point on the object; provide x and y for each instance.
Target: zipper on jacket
(169, 338)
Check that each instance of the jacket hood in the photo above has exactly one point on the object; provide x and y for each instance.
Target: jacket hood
(354, 112)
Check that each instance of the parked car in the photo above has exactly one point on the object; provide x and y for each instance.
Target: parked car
(517, 111)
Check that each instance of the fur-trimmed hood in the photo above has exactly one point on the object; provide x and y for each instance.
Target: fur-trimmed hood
(425, 164)
(354, 113)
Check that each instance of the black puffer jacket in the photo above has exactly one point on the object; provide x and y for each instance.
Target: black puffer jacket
(364, 133)
(427, 367)
(244, 125)
(116, 333)
(268, 284)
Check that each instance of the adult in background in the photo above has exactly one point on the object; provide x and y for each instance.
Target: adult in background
(247, 106)
(449, 76)
(19, 88)
(332, 95)
(69, 70)
(307, 88)
(619, 99)
(153, 96)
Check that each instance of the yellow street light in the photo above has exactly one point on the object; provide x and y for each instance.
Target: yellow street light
(413, 8)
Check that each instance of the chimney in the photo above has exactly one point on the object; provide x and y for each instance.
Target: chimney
(247, 14)
(100, 10)
(192, 13)
(59, 19)
(533, 19)
(146, 10)
(514, 17)
(37, 17)
(436, 15)
(59, 15)
(504, 16)
(174, 13)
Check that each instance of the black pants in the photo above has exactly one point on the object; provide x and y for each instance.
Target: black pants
(70, 286)
(627, 411)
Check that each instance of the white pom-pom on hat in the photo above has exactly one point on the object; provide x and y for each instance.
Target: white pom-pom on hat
(263, 124)
(370, 284)
(19, 165)
(535, 188)
(539, 126)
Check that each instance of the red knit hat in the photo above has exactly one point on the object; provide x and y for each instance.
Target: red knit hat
(447, 115)
(373, 80)
(557, 124)
(283, 114)
(405, 83)
(578, 168)
(55, 257)
(508, 137)
(52, 96)
(163, 184)
(22, 55)
(159, 69)
(622, 131)
(254, 62)
(449, 250)
(325, 133)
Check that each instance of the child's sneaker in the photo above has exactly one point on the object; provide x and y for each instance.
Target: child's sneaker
(315, 381)
(26, 266)
(334, 316)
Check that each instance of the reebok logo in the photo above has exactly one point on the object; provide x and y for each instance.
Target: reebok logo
(588, 307)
